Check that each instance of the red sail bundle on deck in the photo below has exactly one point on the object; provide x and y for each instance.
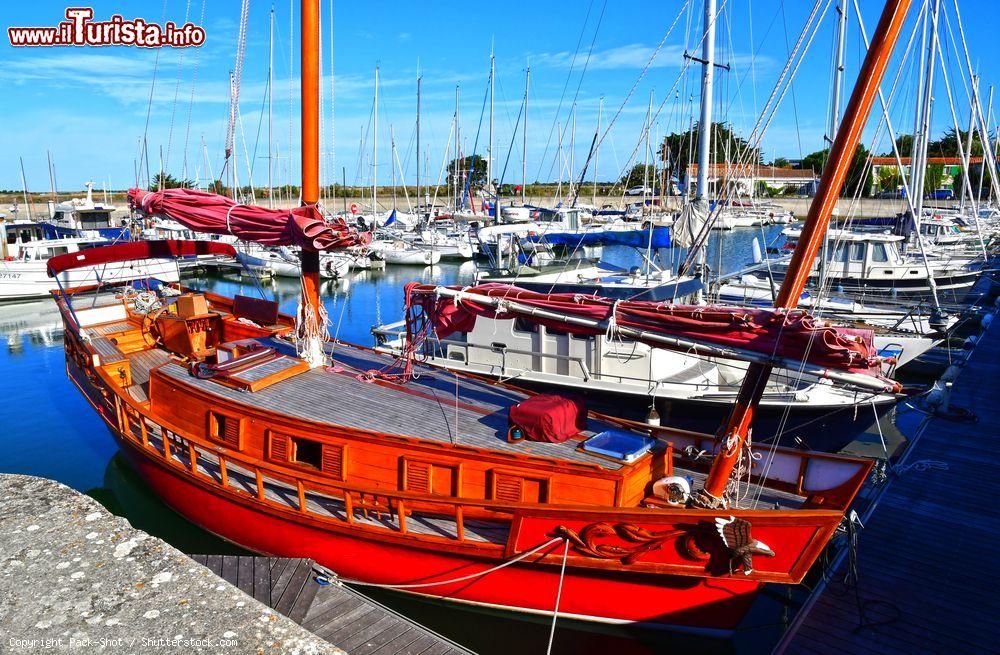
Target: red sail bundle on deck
(788, 334)
(208, 212)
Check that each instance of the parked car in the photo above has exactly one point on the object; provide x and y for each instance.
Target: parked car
(898, 194)
(941, 194)
(639, 191)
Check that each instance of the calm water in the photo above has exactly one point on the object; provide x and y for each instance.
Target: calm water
(48, 430)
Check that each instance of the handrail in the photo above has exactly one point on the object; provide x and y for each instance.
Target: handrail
(302, 481)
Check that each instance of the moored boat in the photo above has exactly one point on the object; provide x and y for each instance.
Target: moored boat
(443, 485)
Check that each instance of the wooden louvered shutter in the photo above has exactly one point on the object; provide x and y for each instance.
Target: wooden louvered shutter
(278, 447)
(225, 429)
(333, 461)
(508, 488)
(418, 477)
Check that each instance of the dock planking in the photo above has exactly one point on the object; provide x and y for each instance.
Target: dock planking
(334, 612)
(926, 577)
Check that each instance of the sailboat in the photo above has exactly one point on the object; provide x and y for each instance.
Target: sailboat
(443, 485)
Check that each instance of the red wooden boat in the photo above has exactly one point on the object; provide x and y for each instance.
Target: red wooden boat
(394, 475)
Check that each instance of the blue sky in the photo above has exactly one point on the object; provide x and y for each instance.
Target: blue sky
(88, 106)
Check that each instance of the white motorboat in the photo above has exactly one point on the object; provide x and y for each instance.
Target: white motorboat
(401, 253)
(23, 271)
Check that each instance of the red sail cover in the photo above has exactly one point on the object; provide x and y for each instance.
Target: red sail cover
(790, 334)
(208, 212)
(135, 251)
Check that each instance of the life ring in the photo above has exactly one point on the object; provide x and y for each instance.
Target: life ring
(354, 208)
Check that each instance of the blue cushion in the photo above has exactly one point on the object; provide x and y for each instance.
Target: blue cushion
(619, 444)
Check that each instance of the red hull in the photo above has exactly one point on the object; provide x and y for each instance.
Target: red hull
(679, 602)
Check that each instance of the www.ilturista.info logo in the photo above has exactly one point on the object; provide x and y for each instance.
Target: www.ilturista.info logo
(81, 30)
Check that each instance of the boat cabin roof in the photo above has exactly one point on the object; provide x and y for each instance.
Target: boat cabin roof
(847, 235)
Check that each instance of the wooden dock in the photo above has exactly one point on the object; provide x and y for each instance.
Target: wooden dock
(926, 566)
(347, 619)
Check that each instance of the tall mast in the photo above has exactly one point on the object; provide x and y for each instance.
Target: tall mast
(705, 121)
(572, 155)
(375, 151)
(918, 159)
(600, 109)
(456, 173)
(838, 70)
(418, 139)
(645, 152)
(838, 87)
(733, 435)
(24, 188)
(489, 153)
(524, 138)
(311, 325)
(392, 159)
(559, 149)
(270, 95)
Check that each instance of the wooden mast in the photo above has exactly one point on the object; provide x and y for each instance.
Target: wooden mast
(734, 434)
(312, 325)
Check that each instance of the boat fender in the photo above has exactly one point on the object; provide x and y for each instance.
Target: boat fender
(653, 417)
(675, 489)
(951, 373)
(986, 321)
(970, 342)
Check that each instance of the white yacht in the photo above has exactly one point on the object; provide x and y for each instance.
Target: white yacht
(870, 264)
(25, 253)
(628, 377)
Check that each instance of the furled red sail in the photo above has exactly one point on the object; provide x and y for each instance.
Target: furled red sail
(208, 212)
(791, 335)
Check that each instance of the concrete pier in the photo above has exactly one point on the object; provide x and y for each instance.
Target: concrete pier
(75, 578)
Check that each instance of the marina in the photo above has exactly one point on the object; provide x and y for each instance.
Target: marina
(280, 394)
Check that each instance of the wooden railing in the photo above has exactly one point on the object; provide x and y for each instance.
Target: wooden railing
(358, 503)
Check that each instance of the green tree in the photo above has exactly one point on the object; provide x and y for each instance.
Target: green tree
(781, 162)
(904, 143)
(678, 149)
(889, 178)
(471, 168)
(858, 174)
(947, 145)
(639, 175)
(168, 181)
(933, 177)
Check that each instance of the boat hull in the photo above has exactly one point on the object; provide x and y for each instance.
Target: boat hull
(710, 607)
(705, 606)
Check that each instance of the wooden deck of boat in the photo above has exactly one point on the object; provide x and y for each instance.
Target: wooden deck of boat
(334, 612)
(425, 407)
(926, 562)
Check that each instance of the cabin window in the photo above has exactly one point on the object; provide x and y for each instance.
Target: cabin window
(857, 252)
(52, 252)
(840, 253)
(523, 325)
(308, 452)
(226, 430)
(879, 253)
